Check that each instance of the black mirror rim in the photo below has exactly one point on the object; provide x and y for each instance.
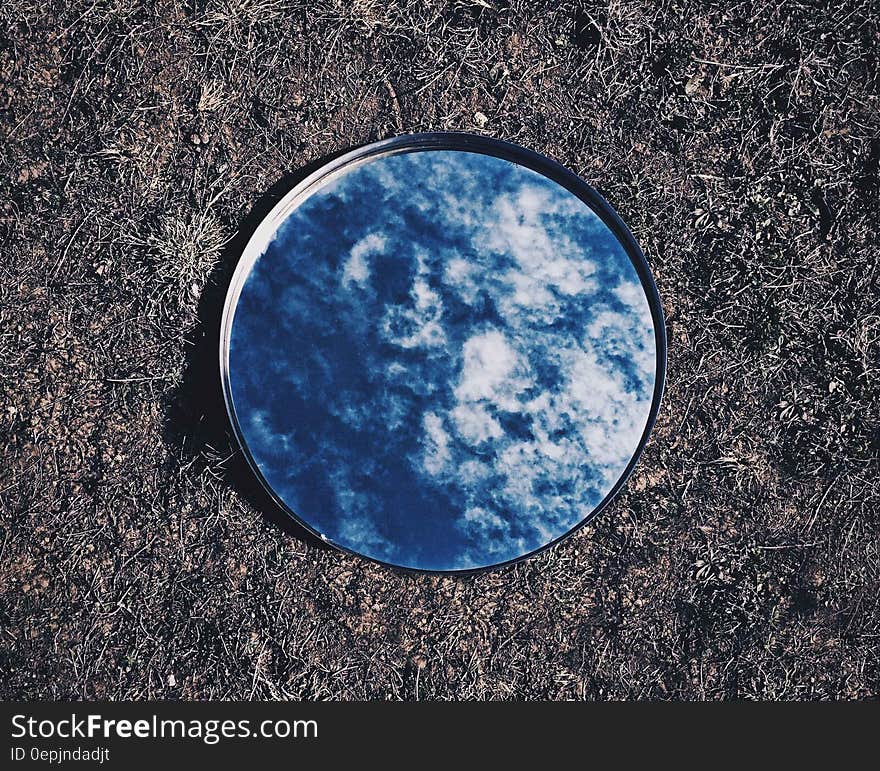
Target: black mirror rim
(442, 141)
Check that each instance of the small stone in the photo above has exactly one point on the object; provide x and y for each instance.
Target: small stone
(480, 119)
(195, 139)
(693, 85)
(172, 681)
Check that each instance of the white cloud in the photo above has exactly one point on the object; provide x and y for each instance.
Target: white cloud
(627, 336)
(259, 424)
(473, 472)
(474, 423)
(631, 293)
(356, 269)
(491, 370)
(359, 532)
(492, 532)
(437, 451)
(546, 257)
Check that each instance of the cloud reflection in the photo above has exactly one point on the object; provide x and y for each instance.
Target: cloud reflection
(443, 360)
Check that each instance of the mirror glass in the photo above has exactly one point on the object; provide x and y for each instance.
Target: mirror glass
(442, 360)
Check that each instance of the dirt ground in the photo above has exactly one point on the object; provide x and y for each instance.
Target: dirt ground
(140, 143)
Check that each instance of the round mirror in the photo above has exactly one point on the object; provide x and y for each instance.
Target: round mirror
(442, 352)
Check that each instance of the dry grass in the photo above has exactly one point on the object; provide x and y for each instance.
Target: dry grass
(741, 141)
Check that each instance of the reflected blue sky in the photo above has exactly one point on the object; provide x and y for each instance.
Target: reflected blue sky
(443, 360)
